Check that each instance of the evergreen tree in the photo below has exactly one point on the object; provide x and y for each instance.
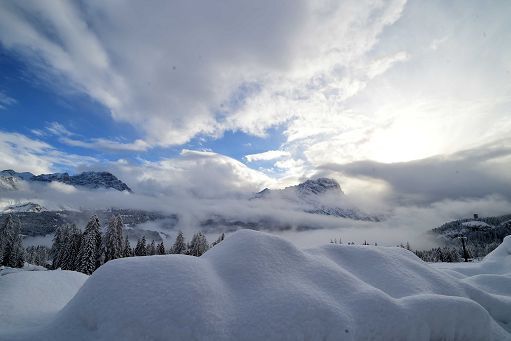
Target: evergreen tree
(71, 248)
(151, 249)
(198, 245)
(140, 249)
(58, 247)
(126, 249)
(89, 257)
(11, 248)
(179, 246)
(160, 249)
(220, 239)
(113, 239)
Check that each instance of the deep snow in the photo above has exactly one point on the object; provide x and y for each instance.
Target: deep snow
(257, 286)
(30, 297)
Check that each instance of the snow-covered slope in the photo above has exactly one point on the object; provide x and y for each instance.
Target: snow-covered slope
(9, 183)
(256, 286)
(31, 298)
(24, 207)
(319, 196)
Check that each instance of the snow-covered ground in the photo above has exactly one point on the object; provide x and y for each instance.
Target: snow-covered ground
(257, 286)
(30, 297)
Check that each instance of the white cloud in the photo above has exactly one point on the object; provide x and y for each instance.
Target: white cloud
(106, 144)
(5, 100)
(349, 81)
(22, 153)
(198, 173)
(266, 156)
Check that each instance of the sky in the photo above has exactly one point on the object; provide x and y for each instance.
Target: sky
(403, 102)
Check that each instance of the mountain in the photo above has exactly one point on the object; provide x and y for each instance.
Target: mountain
(92, 180)
(317, 196)
(25, 207)
(9, 183)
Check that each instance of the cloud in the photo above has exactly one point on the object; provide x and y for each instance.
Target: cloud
(106, 144)
(6, 101)
(472, 173)
(72, 139)
(266, 156)
(197, 173)
(58, 129)
(22, 153)
(191, 79)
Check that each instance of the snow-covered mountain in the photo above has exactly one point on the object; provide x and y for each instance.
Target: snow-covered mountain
(24, 207)
(9, 183)
(92, 180)
(317, 196)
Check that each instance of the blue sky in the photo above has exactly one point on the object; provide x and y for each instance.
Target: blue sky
(301, 89)
(38, 107)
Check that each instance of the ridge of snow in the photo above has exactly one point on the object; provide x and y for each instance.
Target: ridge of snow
(257, 286)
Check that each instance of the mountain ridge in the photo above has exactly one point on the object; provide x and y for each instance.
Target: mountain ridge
(89, 179)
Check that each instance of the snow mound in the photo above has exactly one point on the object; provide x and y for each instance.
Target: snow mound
(256, 286)
(29, 298)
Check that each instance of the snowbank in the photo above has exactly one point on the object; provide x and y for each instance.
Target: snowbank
(30, 298)
(256, 286)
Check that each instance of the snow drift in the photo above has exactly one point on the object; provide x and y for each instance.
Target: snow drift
(256, 286)
(29, 297)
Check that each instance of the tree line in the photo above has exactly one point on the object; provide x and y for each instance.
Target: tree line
(449, 253)
(86, 251)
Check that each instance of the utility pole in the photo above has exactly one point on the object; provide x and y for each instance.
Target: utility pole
(465, 253)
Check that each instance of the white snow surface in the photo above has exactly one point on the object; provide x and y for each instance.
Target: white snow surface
(257, 286)
(30, 297)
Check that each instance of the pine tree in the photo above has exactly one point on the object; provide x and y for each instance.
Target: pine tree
(198, 245)
(220, 239)
(160, 249)
(151, 249)
(89, 258)
(71, 248)
(179, 246)
(11, 248)
(113, 239)
(140, 249)
(126, 249)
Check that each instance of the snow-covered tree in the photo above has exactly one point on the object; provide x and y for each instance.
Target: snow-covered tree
(151, 249)
(11, 248)
(59, 245)
(219, 240)
(198, 245)
(71, 249)
(160, 249)
(179, 246)
(126, 249)
(140, 249)
(113, 239)
(38, 255)
(89, 258)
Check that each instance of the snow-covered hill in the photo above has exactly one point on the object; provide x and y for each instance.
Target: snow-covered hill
(92, 180)
(256, 286)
